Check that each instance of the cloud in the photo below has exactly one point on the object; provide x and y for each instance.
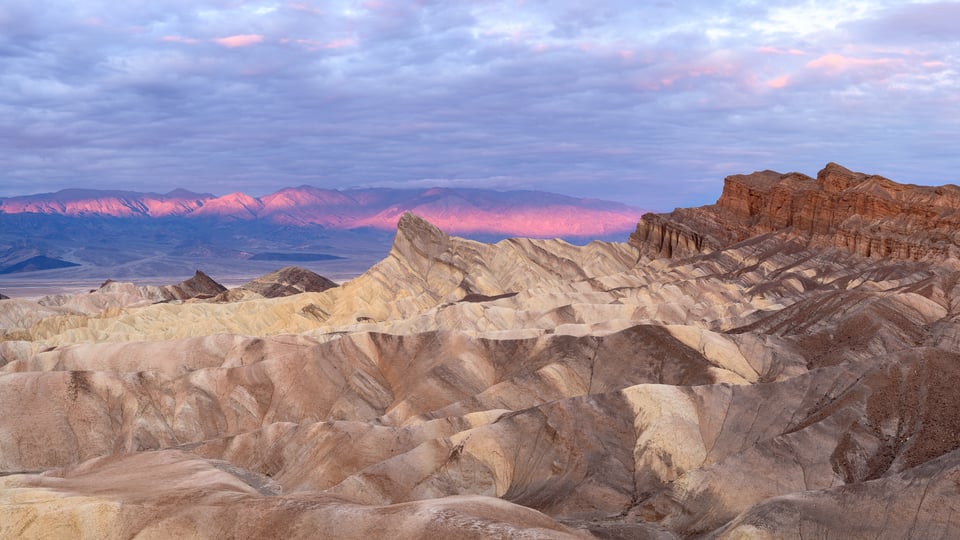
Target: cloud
(180, 39)
(314, 45)
(837, 62)
(778, 50)
(240, 40)
(649, 103)
(304, 7)
(920, 22)
(779, 82)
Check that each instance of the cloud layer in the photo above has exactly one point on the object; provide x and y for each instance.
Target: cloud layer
(649, 105)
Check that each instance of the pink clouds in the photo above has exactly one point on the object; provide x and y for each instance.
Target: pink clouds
(779, 82)
(340, 43)
(894, 68)
(314, 45)
(539, 91)
(231, 42)
(779, 50)
(837, 62)
(246, 40)
(240, 40)
(306, 8)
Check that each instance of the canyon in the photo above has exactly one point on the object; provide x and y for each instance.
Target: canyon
(781, 364)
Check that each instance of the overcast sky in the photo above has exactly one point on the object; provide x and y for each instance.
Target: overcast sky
(649, 103)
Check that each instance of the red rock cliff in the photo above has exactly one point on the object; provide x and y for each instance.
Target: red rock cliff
(866, 214)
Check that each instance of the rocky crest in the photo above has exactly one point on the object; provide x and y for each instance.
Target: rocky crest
(199, 286)
(866, 214)
(287, 281)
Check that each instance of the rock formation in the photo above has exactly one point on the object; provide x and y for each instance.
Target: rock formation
(199, 286)
(115, 294)
(768, 379)
(287, 281)
(865, 214)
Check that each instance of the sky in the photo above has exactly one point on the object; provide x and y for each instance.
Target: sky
(647, 103)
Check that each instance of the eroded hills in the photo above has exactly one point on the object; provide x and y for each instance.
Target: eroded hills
(738, 370)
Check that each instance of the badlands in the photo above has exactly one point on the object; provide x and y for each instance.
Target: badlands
(782, 364)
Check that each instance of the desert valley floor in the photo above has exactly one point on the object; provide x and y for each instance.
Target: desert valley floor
(782, 364)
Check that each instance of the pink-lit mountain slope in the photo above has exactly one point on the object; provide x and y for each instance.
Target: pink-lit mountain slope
(92, 202)
(463, 211)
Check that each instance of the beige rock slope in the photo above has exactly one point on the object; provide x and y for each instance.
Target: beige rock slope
(767, 386)
(19, 315)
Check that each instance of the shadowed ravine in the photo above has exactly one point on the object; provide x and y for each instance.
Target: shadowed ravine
(759, 368)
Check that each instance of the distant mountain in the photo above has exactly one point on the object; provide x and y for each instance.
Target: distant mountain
(129, 235)
(33, 264)
(462, 211)
(92, 202)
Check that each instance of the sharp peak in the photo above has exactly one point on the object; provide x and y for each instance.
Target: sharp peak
(832, 165)
(202, 282)
(416, 235)
(411, 223)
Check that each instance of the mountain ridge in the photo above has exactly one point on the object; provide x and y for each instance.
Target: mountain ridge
(458, 210)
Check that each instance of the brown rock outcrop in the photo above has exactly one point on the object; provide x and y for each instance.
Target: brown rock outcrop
(288, 281)
(199, 286)
(865, 214)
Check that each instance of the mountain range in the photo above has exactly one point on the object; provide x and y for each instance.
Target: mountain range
(782, 364)
(461, 211)
(89, 235)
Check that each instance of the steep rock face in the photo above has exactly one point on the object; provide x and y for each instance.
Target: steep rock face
(865, 214)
